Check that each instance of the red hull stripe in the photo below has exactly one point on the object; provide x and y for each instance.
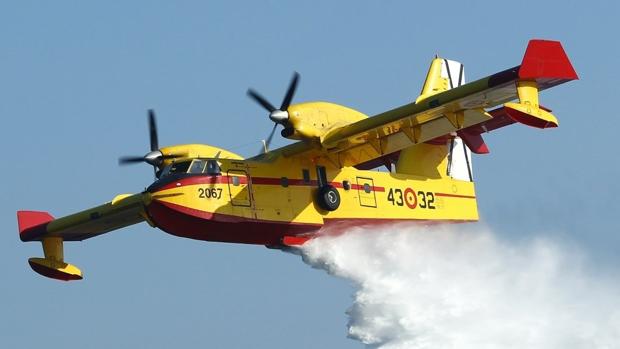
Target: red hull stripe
(220, 217)
(455, 196)
(200, 225)
(256, 181)
(181, 221)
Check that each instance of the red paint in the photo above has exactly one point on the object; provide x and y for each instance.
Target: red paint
(295, 240)
(414, 204)
(474, 142)
(499, 120)
(528, 119)
(546, 59)
(441, 140)
(53, 273)
(360, 187)
(32, 224)
(455, 196)
(193, 180)
(200, 225)
(199, 179)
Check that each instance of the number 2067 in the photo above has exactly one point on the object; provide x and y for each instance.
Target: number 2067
(209, 193)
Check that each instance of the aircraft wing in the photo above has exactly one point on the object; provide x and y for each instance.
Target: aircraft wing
(122, 211)
(464, 110)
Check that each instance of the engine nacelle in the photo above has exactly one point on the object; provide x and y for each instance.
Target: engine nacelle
(314, 119)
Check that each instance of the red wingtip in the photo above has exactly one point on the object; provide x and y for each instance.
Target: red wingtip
(32, 223)
(546, 59)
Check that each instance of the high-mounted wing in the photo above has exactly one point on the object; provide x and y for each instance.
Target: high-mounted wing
(122, 211)
(462, 110)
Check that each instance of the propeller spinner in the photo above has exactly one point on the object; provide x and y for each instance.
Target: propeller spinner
(277, 115)
(155, 157)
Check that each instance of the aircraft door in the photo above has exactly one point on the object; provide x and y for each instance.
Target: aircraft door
(365, 192)
(238, 182)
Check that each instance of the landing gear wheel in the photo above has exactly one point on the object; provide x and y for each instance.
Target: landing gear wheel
(328, 198)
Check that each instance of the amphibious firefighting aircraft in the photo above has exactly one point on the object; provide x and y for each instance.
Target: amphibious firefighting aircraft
(325, 182)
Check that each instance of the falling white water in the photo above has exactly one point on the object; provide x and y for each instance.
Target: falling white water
(462, 287)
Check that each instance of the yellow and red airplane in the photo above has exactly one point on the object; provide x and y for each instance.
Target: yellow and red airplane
(283, 197)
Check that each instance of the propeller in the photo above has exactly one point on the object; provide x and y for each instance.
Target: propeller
(277, 115)
(155, 157)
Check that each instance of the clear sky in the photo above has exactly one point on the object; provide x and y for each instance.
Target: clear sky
(77, 77)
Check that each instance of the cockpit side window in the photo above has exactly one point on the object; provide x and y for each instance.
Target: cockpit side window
(213, 168)
(179, 167)
(197, 166)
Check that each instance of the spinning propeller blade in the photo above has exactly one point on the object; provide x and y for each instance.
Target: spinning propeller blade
(155, 156)
(278, 116)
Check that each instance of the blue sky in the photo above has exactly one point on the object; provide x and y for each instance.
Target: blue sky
(75, 82)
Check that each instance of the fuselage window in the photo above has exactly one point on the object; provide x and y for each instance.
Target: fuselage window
(235, 181)
(366, 187)
(284, 182)
(306, 175)
(346, 185)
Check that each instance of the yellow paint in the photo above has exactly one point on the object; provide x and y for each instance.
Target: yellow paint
(297, 203)
(52, 248)
(196, 151)
(424, 160)
(434, 82)
(314, 119)
(528, 102)
(61, 267)
(271, 186)
(54, 257)
(119, 198)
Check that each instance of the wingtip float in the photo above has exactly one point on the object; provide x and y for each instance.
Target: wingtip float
(281, 198)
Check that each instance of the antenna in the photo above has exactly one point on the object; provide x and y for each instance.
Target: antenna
(264, 146)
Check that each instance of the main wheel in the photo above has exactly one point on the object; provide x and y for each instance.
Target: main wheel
(328, 198)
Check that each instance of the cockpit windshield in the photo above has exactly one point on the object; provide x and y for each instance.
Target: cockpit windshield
(179, 167)
(208, 166)
(197, 166)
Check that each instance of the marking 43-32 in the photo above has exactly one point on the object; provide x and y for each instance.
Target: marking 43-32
(411, 198)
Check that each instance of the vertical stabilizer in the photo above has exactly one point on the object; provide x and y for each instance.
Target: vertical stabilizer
(459, 161)
(442, 75)
(451, 158)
